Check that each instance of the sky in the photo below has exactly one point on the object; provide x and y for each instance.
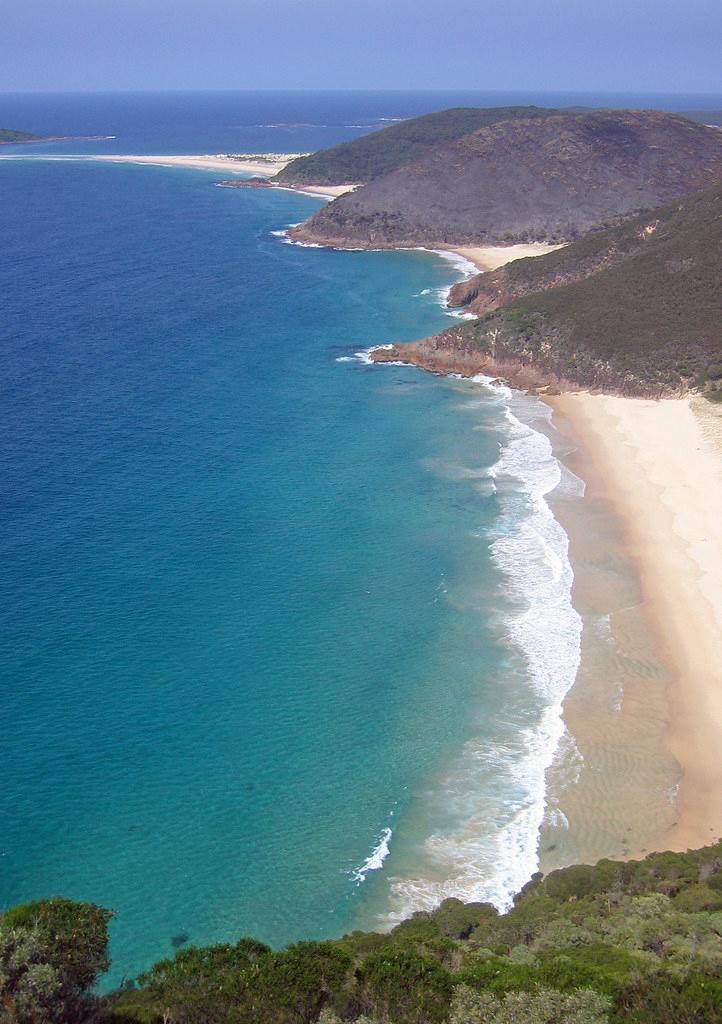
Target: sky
(547, 45)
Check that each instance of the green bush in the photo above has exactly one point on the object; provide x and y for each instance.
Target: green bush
(457, 920)
(695, 898)
(292, 987)
(695, 999)
(51, 954)
(639, 940)
(404, 987)
(201, 985)
(542, 1007)
(247, 983)
(606, 969)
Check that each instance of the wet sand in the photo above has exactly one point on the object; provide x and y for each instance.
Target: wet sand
(646, 710)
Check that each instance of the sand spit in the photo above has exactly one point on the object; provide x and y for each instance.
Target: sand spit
(261, 164)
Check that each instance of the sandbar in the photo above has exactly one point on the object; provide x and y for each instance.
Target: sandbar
(261, 164)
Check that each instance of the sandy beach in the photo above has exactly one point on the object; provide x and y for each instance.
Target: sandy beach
(491, 257)
(261, 164)
(659, 466)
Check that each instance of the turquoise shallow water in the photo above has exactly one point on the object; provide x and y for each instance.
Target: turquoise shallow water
(272, 662)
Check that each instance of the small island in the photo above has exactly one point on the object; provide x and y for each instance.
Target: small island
(11, 137)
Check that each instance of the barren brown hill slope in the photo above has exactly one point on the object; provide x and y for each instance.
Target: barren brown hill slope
(547, 179)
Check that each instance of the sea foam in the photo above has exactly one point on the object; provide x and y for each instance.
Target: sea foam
(375, 860)
(496, 792)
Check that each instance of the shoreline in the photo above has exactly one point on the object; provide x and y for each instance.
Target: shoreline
(490, 257)
(659, 465)
(482, 258)
(652, 470)
(470, 260)
(656, 465)
(669, 535)
(246, 163)
(259, 165)
(256, 165)
(324, 191)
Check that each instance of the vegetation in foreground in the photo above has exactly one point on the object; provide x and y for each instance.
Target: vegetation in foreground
(635, 942)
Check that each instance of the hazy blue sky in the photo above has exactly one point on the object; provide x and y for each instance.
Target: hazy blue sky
(655, 45)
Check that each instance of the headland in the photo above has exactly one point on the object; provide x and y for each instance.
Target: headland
(615, 323)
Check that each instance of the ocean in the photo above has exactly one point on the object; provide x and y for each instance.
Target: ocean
(284, 635)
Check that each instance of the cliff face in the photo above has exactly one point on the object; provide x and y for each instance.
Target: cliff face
(543, 179)
(636, 309)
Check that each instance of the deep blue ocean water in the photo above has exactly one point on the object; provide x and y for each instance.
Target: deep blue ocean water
(274, 623)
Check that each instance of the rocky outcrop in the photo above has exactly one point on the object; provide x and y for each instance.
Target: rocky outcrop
(448, 353)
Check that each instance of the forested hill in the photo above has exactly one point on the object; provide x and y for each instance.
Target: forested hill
(635, 309)
(381, 152)
(546, 179)
(9, 136)
(636, 942)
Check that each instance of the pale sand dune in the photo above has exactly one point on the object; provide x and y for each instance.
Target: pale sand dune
(262, 164)
(660, 464)
(491, 257)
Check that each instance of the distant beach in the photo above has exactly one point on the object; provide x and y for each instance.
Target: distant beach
(261, 165)
(245, 163)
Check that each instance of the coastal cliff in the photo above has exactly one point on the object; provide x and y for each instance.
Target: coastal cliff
(634, 310)
(547, 179)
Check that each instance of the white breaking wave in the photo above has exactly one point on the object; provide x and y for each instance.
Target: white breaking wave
(282, 233)
(497, 792)
(467, 269)
(364, 357)
(461, 263)
(375, 860)
(464, 266)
